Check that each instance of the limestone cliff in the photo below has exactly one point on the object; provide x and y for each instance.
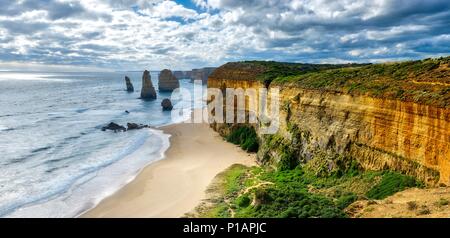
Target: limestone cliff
(167, 81)
(147, 91)
(399, 122)
(182, 74)
(202, 74)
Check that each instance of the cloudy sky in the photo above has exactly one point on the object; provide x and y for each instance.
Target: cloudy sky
(155, 34)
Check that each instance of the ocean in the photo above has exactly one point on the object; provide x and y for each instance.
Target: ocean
(55, 161)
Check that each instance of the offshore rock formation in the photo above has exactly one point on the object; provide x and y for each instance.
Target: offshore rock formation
(166, 104)
(130, 87)
(407, 131)
(118, 128)
(135, 126)
(148, 91)
(182, 74)
(202, 74)
(114, 127)
(167, 81)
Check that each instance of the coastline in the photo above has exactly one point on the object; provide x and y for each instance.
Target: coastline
(175, 185)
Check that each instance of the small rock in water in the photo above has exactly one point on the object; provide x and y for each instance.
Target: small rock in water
(166, 105)
(135, 126)
(114, 127)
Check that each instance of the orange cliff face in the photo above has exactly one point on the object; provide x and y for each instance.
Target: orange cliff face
(378, 133)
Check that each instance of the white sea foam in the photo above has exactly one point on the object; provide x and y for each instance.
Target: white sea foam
(56, 162)
(148, 146)
(3, 128)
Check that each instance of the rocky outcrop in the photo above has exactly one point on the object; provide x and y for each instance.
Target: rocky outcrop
(135, 126)
(118, 128)
(148, 91)
(202, 74)
(130, 87)
(167, 81)
(166, 105)
(378, 133)
(114, 127)
(182, 74)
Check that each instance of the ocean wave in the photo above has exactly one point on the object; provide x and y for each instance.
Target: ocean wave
(5, 128)
(92, 184)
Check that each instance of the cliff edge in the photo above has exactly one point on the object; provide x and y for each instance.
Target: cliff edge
(393, 116)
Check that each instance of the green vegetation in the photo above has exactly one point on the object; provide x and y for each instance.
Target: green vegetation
(299, 192)
(391, 183)
(424, 81)
(245, 137)
(275, 70)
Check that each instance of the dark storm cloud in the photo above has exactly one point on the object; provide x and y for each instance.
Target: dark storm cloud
(325, 26)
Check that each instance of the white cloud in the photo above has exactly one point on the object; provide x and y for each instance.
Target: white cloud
(167, 9)
(155, 34)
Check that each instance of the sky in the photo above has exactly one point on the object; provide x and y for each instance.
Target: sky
(185, 34)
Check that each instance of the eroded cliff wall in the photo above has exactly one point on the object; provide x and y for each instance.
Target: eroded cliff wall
(379, 133)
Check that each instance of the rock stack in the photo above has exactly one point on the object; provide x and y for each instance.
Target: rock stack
(202, 74)
(167, 81)
(148, 91)
(182, 74)
(130, 87)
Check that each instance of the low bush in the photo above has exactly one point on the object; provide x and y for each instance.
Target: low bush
(245, 137)
(391, 182)
(345, 200)
(243, 201)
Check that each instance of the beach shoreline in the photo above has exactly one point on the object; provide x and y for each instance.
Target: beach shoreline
(175, 185)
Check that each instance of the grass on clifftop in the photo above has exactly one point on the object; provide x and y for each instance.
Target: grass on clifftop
(297, 193)
(425, 81)
(275, 70)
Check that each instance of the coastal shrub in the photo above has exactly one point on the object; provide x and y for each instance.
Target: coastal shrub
(391, 182)
(243, 201)
(287, 161)
(285, 202)
(245, 137)
(265, 192)
(412, 205)
(424, 210)
(346, 166)
(442, 202)
(232, 178)
(345, 200)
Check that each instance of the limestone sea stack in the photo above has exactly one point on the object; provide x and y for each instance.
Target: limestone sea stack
(167, 81)
(130, 87)
(202, 74)
(148, 91)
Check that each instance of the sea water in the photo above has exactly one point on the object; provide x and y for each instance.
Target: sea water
(54, 159)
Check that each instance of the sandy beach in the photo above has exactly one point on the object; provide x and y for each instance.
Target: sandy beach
(175, 185)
